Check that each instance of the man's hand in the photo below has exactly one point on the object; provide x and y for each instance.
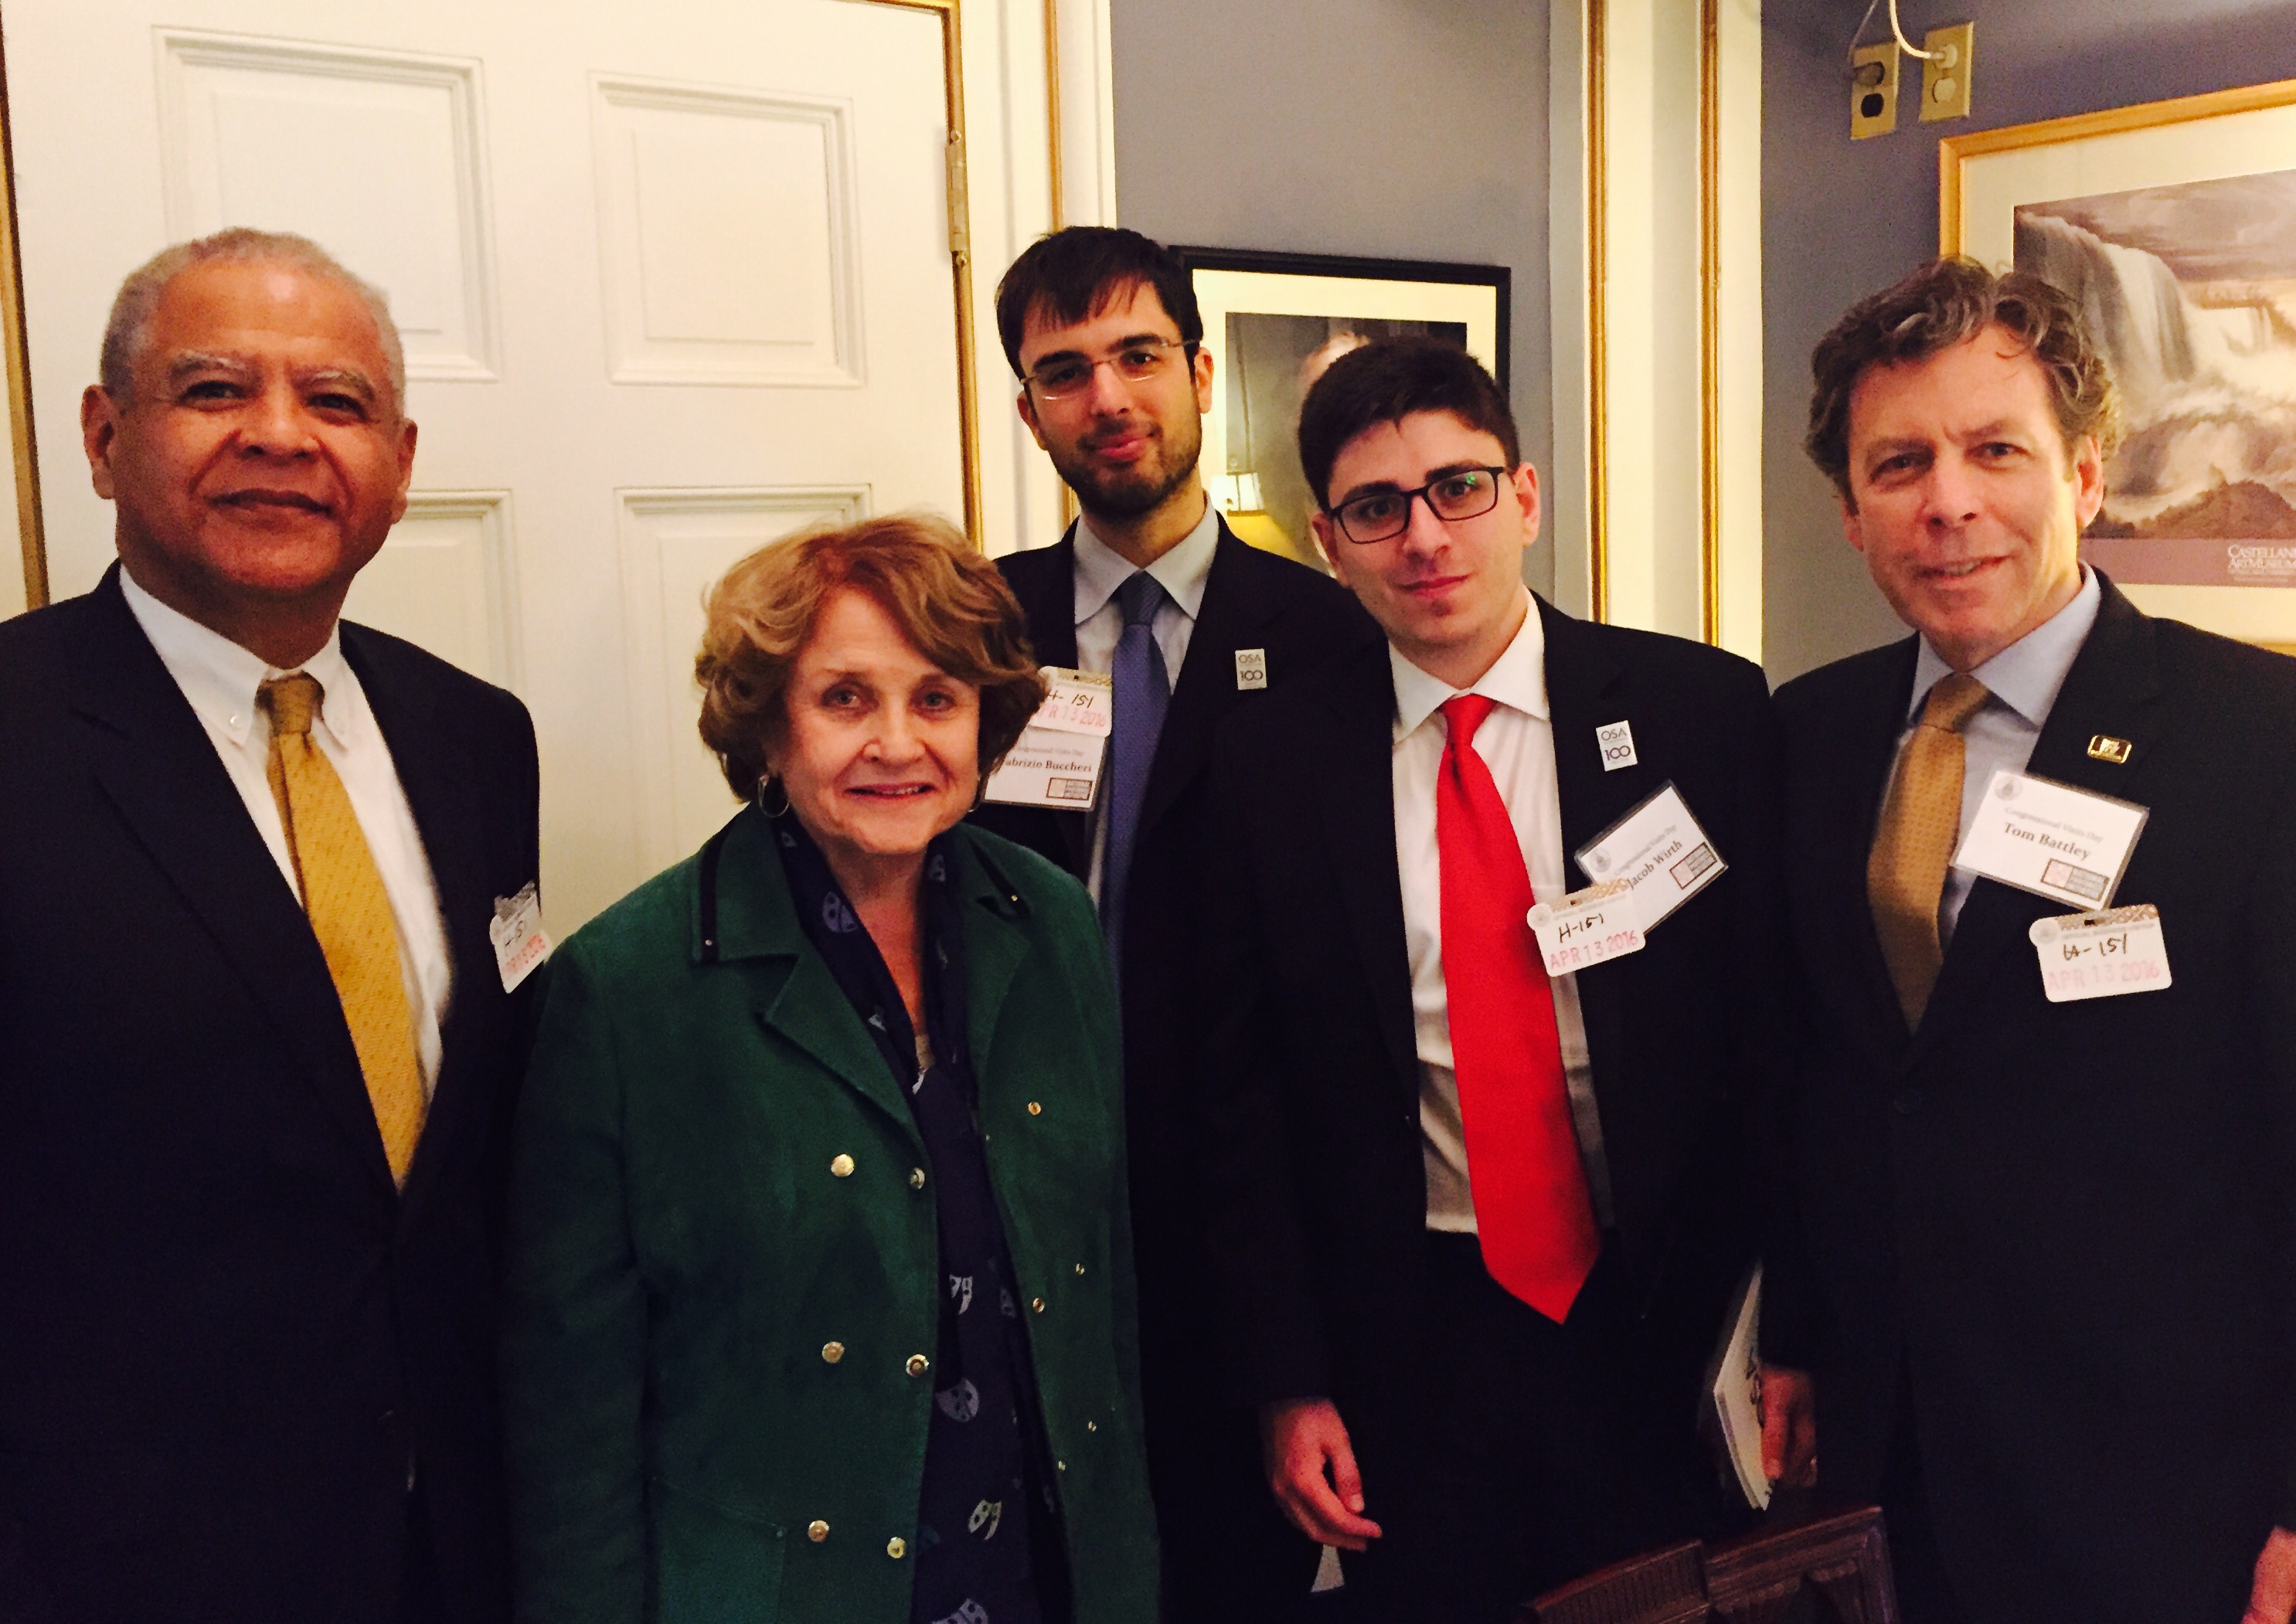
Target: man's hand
(1311, 1468)
(2273, 1596)
(1789, 1428)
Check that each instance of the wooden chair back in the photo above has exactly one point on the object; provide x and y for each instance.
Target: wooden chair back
(1832, 1570)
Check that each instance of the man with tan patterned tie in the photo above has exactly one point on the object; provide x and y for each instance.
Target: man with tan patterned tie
(257, 1053)
(2045, 1283)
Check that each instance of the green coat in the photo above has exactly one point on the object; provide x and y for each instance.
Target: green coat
(724, 1262)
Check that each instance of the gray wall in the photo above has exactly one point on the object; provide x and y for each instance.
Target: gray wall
(1398, 129)
(1843, 218)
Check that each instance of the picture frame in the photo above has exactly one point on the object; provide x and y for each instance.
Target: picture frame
(2173, 225)
(1272, 321)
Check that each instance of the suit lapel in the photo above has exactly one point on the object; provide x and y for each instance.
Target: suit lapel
(440, 789)
(1583, 692)
(158, 767)
(994, 948)
(2113, 688)
(1354, 796)
(757, 920)
(1232, 618)
(1841, 839)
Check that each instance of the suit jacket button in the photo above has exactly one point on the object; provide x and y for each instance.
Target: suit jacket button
(897, 1548)
(1908, 1101)
(1036, 1304)
(1035, 1109)
(816, 1531)
(831, 1352)
(919, 1364)
(841, 1167)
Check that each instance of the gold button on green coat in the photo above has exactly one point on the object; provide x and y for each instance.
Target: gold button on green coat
(680, 1441)
(897, 1548)
(831, 1352)
(918, 1363)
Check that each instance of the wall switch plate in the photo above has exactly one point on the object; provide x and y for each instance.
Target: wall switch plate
(1873, 90)
(1944, 73)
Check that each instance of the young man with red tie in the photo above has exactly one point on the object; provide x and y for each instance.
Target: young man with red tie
(1478, 1227)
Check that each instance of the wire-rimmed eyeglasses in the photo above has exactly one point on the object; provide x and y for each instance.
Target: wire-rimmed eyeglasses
(1136, 361)
(1381, 515)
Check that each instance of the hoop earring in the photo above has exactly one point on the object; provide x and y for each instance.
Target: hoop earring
(768, 782)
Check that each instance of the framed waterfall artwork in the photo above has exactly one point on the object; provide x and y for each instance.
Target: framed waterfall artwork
(1273, 321)
(2173, 225)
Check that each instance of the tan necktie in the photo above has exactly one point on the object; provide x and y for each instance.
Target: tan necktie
(1904, 874)
(349, 912)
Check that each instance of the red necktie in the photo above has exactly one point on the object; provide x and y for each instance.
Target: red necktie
(1531, 1206)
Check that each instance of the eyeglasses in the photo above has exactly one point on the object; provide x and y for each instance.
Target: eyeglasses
(1138, 362)
(1381, 515)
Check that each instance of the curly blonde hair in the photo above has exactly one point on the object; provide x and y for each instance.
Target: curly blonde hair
(949, 602)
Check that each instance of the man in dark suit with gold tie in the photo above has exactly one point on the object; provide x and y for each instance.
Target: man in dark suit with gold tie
(2045, 1129)
(264, 898)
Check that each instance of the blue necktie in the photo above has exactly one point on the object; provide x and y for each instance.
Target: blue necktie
(1144, 693)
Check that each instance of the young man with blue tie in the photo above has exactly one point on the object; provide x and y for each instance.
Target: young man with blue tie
(1102, 329)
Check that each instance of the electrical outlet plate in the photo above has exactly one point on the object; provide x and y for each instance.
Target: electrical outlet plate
(1944, 72)
(1872, 107)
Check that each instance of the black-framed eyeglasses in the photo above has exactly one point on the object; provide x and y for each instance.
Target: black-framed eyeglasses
(1139, 361)
(1381, 515)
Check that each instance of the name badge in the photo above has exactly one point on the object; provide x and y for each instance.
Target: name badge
(2051, 839)
(520, 943)
(1587, 927)
(1659, 849)
(1056, 761)
(2101, 955)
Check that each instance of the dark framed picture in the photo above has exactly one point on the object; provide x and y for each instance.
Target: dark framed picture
(2174, 223)
(1273, 321)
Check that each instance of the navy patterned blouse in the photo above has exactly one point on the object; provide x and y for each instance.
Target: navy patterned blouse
(988, 1548)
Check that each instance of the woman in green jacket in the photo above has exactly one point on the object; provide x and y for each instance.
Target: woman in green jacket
(820, 1279)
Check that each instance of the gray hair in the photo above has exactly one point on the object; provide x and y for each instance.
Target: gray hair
(139, 297)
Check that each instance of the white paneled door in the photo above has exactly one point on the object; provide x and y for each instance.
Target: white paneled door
(673, 279)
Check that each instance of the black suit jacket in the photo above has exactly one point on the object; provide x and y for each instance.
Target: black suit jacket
(2068, 1226)
(224, 1334)
(1252, 600)
(1313, 1176)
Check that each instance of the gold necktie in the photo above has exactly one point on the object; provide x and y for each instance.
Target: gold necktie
(349, 912)
(1904, 874)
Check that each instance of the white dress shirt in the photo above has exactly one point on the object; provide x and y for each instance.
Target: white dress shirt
(1100, 570)
(219, 679)
(2023, 680)
(1517, 743)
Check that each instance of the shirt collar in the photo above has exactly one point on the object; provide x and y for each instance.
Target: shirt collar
(1182, 571)
(2027, 675)
(1517, 679)
(220, 679)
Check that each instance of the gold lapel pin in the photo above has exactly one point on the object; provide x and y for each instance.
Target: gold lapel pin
(2104, 747)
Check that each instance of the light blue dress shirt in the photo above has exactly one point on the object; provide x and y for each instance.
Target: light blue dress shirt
(2023, 680)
